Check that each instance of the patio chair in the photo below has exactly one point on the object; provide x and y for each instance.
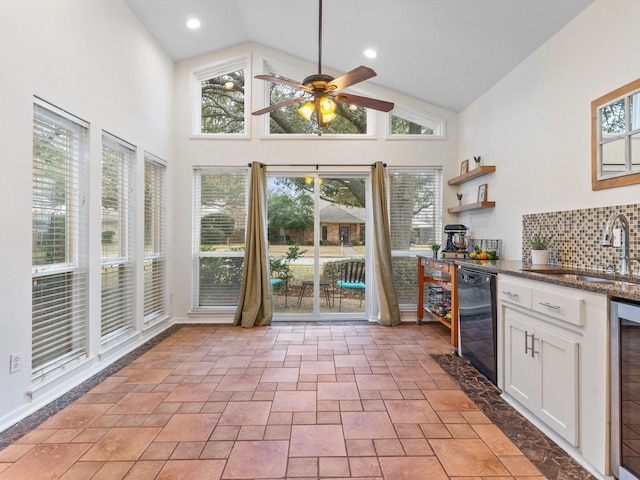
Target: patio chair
(351, 278)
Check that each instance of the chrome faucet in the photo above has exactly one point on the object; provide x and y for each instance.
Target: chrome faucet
(625, 265)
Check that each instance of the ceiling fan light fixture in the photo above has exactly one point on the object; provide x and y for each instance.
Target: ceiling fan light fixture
(307, 110)
(327, 118)
(327, 106)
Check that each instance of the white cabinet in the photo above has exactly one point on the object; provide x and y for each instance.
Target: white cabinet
(553, 363)
(541, 372)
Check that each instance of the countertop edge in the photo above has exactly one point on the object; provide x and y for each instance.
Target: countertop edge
(627, 288)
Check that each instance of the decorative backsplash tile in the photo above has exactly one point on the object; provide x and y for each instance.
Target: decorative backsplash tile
(578, 236)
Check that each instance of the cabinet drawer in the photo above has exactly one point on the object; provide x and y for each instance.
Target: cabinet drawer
(437, 265)
(514, 293)
(560, 306)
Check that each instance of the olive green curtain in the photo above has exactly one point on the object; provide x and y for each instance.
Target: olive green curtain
(255, 307)
(389, 314)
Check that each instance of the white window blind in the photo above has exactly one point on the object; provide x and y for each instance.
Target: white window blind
(118, 235)
(155, 231)
(219, 222)
(59, 243)
(415, 211)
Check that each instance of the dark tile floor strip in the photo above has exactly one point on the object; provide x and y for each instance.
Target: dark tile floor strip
(549, 458)
(31, 422)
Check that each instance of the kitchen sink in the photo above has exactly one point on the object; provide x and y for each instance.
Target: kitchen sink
(583, 276)
(588, 278)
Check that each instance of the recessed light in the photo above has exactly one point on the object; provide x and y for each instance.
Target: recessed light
(370, 53)
(193, 24)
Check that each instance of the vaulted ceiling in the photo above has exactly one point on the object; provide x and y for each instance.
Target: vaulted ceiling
(444, 52)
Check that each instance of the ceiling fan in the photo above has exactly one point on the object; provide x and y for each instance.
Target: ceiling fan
(320, 91)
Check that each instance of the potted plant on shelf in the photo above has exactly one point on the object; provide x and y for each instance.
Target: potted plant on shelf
(477, 159)
(540, 248)
(459, 195)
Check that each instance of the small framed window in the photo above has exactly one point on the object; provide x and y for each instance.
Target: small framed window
(615, 138)
(222, 102)
(411, 124)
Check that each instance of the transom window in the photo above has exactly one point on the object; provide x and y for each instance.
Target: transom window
(409, 123)
(223, 106)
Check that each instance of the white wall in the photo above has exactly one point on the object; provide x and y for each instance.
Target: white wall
(322, 150)
(534, 125)
(96, 61)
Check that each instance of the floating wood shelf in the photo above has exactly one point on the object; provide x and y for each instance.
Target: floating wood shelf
(471, 206)
(471, 174)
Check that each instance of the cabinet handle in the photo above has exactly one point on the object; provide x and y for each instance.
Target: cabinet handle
(545, 304)
(510, 294)
(533, 339)
(526, 344)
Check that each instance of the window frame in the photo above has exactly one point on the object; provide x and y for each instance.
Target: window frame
(628, 176)
(197, 253)
(156, 255)
(75, 265)
(123, 264)
(437, 223)
(436, 123)
(200, 74)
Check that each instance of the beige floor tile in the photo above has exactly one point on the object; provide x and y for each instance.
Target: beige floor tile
(192, 469)
(367, 425)
(317, 441)
(122, 444)
(467, 457)
(188, 427)
(45, 462)
(294, 401)
(268, 459)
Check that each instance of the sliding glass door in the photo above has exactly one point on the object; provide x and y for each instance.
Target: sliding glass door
(317, 245)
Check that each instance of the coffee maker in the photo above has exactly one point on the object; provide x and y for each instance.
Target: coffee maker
(456, 244)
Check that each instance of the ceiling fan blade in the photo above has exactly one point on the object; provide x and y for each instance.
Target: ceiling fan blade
(357, 75)
(364, 102)
(282, 81)
(271, 108)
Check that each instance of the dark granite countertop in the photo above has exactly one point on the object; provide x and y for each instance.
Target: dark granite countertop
(618, 286)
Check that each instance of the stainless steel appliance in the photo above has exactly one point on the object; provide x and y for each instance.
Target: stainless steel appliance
(456, 243)
(625, 389)
(477, 314)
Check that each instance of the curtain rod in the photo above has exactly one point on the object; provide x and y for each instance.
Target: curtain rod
(317, 165)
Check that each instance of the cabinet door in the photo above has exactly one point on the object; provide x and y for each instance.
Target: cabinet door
(519, 365)
(557, 381)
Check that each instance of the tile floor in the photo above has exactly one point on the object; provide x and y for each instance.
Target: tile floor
(294, 401)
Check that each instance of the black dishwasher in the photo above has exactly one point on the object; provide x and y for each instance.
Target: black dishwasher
(478, 319)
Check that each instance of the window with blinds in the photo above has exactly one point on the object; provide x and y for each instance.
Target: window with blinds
(118, 235)
(59, 241)
(219, 223)
(415, 214)
(155, 231)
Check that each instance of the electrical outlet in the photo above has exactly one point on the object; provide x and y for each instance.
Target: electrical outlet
(617, 237)
(15, 363)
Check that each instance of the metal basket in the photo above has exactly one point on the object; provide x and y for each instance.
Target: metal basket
(438, 300)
